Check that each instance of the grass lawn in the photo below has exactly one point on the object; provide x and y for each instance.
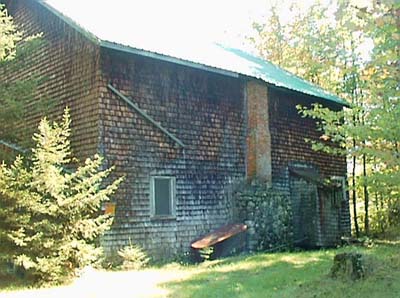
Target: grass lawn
(303, 274)
(297, 274)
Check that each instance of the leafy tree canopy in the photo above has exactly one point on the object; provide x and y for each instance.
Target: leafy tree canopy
(352, 49)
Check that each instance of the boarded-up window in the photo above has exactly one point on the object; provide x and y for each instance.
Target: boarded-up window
(162, 195)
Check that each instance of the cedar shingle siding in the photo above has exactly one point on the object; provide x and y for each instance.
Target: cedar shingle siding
(68, 63)
(205, 111)
(234, 130)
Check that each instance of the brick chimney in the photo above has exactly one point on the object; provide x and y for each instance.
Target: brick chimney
(258, 134)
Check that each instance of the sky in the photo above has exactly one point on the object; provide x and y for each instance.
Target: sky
(171, 21)
(187, 29)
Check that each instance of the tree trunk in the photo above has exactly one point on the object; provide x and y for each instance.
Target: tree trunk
(366, 196)
(349, 266)
(354, 193)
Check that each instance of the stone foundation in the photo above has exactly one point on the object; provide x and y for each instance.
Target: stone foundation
(267, 213)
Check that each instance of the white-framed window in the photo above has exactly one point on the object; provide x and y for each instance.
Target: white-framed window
(162, 196)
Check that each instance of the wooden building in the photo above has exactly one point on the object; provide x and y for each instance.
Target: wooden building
(190, 134)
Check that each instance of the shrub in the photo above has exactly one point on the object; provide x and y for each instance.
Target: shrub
(206, 254)
(134, 258)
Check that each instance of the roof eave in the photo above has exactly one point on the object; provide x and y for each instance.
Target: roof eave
(171, 59)
(339, 103)
(90, 36)
(166, 58)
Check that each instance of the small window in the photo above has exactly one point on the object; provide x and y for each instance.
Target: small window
(162, 189)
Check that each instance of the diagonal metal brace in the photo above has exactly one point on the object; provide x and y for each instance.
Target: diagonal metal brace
(13, 147)
(144, 114)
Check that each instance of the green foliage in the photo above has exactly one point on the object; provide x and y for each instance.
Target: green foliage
(206, 253)
(18, 98)
(306, 46)
(328, 45)
(9, 35)
(273, 35)
(133, 256)
(49, 216)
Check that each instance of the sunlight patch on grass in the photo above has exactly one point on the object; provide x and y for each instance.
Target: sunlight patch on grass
(388, 242)
(299, 261)
(249, 265)
(99, 284)
(293, 274)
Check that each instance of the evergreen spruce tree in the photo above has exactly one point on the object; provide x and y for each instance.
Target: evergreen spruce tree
(49, 216)
(17, 96)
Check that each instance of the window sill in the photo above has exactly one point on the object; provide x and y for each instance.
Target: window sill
(163, 217)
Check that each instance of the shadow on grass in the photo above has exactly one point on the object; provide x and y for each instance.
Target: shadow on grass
(300, 275)
(272, 275)
(9, 282)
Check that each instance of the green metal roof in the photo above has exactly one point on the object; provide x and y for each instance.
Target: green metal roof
(208, 56)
